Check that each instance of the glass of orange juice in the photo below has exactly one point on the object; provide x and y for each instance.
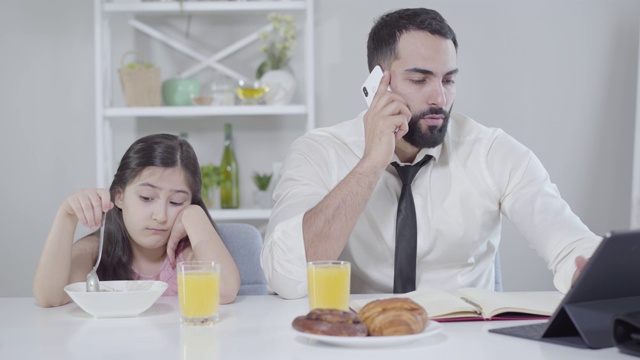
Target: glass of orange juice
(199, 292)
(329, 284)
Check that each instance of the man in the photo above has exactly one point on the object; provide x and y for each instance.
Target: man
(341, 196)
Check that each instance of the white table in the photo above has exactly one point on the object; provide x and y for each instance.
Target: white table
(253, 327)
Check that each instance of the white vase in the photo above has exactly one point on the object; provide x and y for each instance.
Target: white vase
(262, 199)
(212, 200)
(282, 86)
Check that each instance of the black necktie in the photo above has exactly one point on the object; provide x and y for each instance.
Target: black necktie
(404, 277)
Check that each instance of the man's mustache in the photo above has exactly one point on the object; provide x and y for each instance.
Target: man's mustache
(432, 111)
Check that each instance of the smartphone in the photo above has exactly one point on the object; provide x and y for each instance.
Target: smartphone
(370, 85)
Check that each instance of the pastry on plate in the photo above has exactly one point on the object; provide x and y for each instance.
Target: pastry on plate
(330, 322)
(394, 316)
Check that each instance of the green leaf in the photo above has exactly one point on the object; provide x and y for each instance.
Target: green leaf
(263, 68)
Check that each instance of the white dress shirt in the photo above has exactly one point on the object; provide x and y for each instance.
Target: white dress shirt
(477, 175)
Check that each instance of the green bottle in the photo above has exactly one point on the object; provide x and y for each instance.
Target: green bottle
(230, 187)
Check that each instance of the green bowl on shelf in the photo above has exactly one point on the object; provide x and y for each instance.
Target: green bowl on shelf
(180, 92)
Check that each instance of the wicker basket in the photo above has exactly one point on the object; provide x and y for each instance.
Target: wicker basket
(141, 85)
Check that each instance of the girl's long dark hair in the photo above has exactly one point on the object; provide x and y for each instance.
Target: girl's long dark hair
(159, 150)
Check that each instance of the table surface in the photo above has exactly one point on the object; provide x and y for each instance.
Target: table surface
(253, 327)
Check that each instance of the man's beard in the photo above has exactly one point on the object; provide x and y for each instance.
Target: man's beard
(433, 135)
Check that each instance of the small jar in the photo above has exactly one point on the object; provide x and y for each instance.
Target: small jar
(222, 90)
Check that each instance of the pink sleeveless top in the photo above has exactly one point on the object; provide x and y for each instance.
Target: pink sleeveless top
(166, 274)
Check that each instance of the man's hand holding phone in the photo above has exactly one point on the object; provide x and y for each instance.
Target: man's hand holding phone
(388, 114)
(376, 86)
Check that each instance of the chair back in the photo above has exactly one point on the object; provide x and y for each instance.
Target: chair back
(244, 243)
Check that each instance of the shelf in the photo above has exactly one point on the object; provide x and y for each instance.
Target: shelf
(203, 6)
(240, 214)
(151, 22)
(174, 111)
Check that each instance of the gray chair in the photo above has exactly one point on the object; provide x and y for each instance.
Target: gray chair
(244, 242)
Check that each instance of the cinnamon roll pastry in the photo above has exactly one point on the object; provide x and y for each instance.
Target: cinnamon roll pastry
(330, 322)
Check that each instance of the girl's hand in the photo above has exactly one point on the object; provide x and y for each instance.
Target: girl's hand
(178, 232)
(88, 206)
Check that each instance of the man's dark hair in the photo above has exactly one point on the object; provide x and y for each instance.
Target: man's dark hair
(385, 33)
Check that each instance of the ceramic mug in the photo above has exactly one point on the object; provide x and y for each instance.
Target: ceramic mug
(179, 92)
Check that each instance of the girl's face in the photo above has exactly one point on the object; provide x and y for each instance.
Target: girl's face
(151, 204)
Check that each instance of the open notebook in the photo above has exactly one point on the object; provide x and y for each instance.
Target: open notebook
(479, 304)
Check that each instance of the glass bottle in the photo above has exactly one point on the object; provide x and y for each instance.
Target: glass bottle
(230, 187)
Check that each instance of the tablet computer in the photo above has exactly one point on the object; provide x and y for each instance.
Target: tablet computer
(608, 285)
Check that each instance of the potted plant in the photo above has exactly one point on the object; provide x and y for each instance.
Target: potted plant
(262, 197)
(274, 71)
(211, 179)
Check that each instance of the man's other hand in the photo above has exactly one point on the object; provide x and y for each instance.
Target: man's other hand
(581, 261)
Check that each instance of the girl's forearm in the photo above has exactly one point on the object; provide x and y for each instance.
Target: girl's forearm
(52, 272)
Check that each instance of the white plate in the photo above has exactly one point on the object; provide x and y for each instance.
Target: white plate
(374, 341)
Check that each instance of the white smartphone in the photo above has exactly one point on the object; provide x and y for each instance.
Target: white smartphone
(370, 85)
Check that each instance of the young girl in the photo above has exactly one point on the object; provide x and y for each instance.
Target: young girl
(155, 217)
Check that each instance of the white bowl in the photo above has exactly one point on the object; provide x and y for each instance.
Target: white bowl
(125, 298)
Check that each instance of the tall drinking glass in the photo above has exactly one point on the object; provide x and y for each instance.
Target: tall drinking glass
(329, 284)
(199, 292)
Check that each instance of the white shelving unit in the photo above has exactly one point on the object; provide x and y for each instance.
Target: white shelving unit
(107, 111)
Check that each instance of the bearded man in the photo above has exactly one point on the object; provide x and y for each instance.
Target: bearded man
(409, 192)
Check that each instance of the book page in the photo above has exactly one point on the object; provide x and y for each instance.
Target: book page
(530, 302)
(441, 304)
(437, 303)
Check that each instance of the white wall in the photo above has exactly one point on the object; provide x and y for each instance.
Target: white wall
(46, 122)
(558, 76)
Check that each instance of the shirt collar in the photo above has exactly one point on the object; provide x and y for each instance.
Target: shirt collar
(435, 152)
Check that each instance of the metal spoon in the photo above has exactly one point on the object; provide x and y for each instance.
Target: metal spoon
(93, 282)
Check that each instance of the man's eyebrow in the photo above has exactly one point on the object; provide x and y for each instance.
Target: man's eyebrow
(159, 188)
(429, 72)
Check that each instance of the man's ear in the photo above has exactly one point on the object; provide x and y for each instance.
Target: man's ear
(118, 199)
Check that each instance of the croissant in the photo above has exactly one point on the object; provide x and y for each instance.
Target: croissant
(394, 316)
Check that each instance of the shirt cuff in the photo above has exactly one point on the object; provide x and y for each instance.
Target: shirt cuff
(284, 261)
(563, 278)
